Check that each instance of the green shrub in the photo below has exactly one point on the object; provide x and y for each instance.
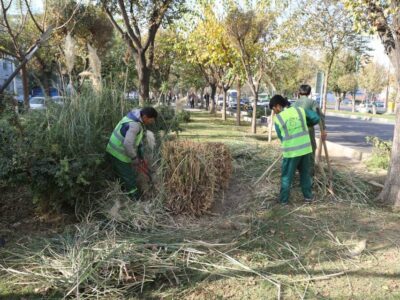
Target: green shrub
(67, 144)
(380, 153)
(167, 120)
(60, 152)
(13, 147)
(183, 116)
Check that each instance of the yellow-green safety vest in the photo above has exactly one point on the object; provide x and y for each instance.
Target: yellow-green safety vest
(115, 145)
(295, 137)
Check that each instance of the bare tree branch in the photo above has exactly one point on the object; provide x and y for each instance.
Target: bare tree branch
(134, 38)
(33, 17)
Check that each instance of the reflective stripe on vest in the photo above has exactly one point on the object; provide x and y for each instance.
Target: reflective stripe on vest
(115, 145)
(295, 137)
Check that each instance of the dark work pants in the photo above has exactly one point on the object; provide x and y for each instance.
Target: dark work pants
(289, 167)
(125, 172)
(311, 131)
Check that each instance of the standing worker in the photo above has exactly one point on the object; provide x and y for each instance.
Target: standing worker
(309, 104)
(291, 127)
(125, 147)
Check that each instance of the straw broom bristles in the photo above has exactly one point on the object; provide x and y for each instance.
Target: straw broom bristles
(193, 173)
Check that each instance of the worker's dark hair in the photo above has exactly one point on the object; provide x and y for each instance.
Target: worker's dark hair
(305, 90)
(278, 99)
(149, 111)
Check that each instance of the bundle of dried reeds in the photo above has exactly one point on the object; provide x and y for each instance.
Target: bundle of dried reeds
(193, 173)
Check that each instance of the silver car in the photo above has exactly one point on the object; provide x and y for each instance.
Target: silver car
(37, 103)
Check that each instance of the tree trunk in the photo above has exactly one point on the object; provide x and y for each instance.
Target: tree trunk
(391, 190)
(325, 95)
(144, 79)
(24, 75)
(353, 103)
(337, 102)
(212, 98)
(239, 94)
(225, 93)
(254, 118)
(202, 98)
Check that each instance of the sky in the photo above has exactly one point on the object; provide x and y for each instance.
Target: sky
(378, 53)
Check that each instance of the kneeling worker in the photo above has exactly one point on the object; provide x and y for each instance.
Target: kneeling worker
(125, 147)
(291, 127)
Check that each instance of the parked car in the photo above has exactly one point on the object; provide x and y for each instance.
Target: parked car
(367, 108)
(58, 100)
(220, 101)
(262, 103)
(37, 103)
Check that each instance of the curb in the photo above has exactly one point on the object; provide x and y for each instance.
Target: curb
(365, 118)
(337, 150)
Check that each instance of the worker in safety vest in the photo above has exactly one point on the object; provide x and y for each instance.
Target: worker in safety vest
(309, 104)
(125, 147)
(291, 125)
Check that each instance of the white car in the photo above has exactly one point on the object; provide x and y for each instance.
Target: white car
(37, 103)
(58, 100)
(367, 108)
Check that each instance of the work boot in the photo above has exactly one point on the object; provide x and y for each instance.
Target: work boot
(309, 200)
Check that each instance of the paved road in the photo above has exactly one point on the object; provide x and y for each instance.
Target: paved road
(352, 132)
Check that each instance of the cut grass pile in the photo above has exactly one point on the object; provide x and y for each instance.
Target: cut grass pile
(193, 174)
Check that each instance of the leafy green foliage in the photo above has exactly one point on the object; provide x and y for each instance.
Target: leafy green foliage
(183, 116)
(380, 154)
(60, 151)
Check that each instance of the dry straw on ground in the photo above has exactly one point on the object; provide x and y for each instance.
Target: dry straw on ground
(193, 174)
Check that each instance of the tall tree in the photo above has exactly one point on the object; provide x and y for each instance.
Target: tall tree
(214, 49)
(346, 83)
(327, 26)
(138, 27)
(164, 58)
(86, 23)
(289, 72)
(372, 79)
(15, 39)
(343, 77)
(383, 17)
(253, 32)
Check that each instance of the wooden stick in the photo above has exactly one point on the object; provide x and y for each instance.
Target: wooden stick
(270, 126)
(267, 170)
(322, 143)
(323, 277)
(319, 145)
(329, 165)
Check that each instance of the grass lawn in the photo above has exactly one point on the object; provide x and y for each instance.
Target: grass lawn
(248, 247)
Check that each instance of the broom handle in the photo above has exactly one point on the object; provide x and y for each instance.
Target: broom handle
(319, 145)
(322, 143)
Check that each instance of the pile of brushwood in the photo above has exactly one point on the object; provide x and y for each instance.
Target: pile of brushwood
(193, 174)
